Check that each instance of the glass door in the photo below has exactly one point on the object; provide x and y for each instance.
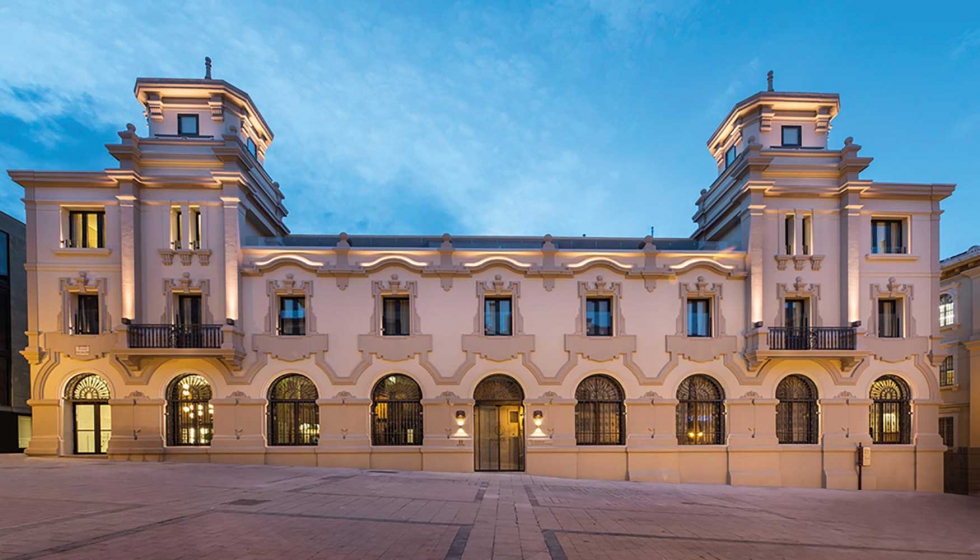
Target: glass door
(797, 322)
(93, 427)
(188, 332)
(499, 437)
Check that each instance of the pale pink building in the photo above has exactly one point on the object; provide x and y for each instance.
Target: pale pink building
(173, 317)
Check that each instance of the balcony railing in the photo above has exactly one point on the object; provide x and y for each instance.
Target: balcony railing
(812, 338)
(174, 336)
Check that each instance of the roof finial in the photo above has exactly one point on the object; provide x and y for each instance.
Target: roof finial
(768, 80)
(207, 69)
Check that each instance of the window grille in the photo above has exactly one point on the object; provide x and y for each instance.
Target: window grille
(189, 411)
(891, 411)
(796, 412)
(599, 413)
(396, 411)
(294, 416)
(700, 412)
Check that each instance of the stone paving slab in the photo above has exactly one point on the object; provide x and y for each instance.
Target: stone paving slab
(68, 508)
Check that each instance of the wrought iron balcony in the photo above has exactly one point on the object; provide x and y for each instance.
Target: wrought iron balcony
(174, 336)
(812, 338)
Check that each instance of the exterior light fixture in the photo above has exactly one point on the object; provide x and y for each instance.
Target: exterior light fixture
(460, 432)
(538, 418)
(757, 324)
(460, 417)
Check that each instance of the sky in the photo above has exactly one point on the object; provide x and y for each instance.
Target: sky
(519, 118)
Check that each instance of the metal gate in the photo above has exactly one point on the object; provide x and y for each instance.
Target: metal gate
(499, 424)
(499, 436)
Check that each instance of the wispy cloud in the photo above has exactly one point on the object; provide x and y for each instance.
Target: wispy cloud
(969, 41)
(386, 122)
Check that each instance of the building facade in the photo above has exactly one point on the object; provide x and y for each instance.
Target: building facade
(173, 317)
(15, 373)
(959, 379)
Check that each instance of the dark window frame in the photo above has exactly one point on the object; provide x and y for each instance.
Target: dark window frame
(494, 324)
(947, 372)
(401, 323)
(707, 314)
(86, 321)
(947, 310)
(180, 125)
(797, 414)
(397, 415)
(79, 239)
(600, 412)
(593, 309)
(291, 326)
(199, 416)
(890, 396)
(895, 327)
(892, 246)
(947, 430)
(731, 154)
(799, 136)
(292, 403)
(252, 148)
(700, 411)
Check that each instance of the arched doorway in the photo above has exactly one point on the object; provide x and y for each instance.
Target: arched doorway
(499, 412)
(91, 417)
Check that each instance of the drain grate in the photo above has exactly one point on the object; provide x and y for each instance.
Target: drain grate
(246, 502)
(383, 472)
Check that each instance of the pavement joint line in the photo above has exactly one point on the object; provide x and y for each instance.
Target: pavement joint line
(67, 547)
(554, 545)
(43, 522)
(342, 518)
(458, 545)
(760, 542)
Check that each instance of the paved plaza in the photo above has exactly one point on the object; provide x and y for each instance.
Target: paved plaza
(79, 508)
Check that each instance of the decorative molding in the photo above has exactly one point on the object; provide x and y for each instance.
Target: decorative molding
(892, 290)
(186, 286)
(798, 290)
(498, 288)
(701, 289)
(289, 287)
(394, 287)
(290, 348)
(601, 289)
(83, 285)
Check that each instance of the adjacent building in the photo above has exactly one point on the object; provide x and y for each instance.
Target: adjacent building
(959, 379)
(15, 373)
(174, 317)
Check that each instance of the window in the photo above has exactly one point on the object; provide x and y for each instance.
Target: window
(598, 317)
(889, 318)
(946, 431)
(252, 148)
(86, 320)
(796, 314)
(187, 125)
(789, 239)
(887, 237)
(294, 416)
(396, 411)
(497, 318)
(89, 397)
(730, 156)
(86, 230)
(700, 412)
(292, 316)
(600, 417)
(945, 310)
(796, 412)
(947, 375)
(807, 235)
(396, 321)
(699, 317)
(891, 413)
(194, 231)
(792, 136)
(189, 411)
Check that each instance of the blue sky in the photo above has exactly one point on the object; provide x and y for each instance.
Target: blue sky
(525, 118)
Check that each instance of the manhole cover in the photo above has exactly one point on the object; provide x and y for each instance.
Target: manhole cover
(246, 502)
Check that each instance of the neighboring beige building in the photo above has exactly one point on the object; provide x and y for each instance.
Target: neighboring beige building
(959, 373)
(171, 309)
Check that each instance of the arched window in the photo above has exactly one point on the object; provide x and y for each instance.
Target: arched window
(891, 413)
(599, 413)
(700, 412)
(947, 375)
(89, 397)
(796, 412)
(945, 310)
(396, 411)
(189, 411)
(294, 417)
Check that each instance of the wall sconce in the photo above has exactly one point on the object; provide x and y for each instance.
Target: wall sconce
(538, 418)
(230, 321)
(757, 324)
(460, 420)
